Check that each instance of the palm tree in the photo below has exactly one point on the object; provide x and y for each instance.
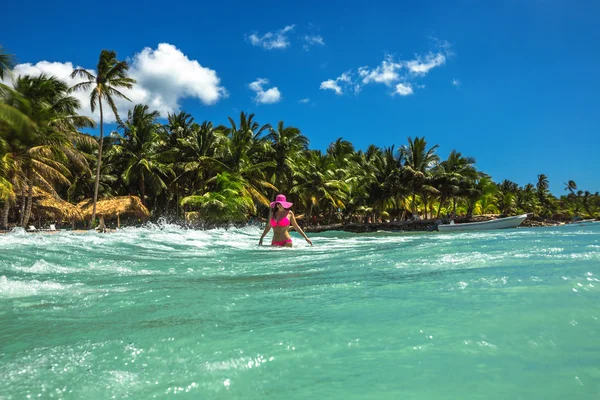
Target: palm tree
(143, 147)
(506, 197)
(245, 156)
(571, 186)
(6, 62)
(111, 76)
(418, 161)
(200, 147)
(482, 198)
(454, 175)
(526, 201)
(287, 145)
(586, 203)
(38, 154)
(542, 192)
(317, 183)
(228, 202)
(179, 126)
(10, 114)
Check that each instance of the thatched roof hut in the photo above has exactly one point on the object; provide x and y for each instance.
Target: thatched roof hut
(54, 206)
(116, 207)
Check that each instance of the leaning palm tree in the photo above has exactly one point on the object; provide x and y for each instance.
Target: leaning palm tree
(6, 62)
(571, 186)
(9, 113)
(37, 155)
(111, 75)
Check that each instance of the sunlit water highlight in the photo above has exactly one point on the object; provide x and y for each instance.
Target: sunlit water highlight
(162, 312)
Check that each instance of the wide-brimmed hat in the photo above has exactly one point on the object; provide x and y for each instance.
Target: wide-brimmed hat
(281, 200)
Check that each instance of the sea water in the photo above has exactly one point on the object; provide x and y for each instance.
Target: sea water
(165, 312)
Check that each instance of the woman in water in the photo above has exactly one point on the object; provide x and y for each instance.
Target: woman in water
(280, 218)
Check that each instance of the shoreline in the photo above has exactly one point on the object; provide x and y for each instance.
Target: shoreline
(352, 227)
(429, 225)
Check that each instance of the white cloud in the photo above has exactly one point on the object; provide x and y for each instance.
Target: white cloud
(401, 75)
(313, 40)
(304, 101)
(340, 84)
(164, 77)
(272, 40)
(455, 82)
(386, 73)
(403, 89)
(316, 39)
(269, 96)
(61, 71)
(330, 84)
(422, 67)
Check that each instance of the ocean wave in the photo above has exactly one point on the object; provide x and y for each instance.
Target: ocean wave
(13, 288)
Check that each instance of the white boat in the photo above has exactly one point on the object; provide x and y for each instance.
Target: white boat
(500, 223)
(583, 222)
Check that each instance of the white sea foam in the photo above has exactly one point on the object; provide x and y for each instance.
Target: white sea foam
(11, 288)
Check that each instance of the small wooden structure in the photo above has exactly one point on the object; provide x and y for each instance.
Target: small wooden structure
(115, 207)
(45, 203)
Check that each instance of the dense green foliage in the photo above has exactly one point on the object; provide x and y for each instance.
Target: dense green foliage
(230, 172)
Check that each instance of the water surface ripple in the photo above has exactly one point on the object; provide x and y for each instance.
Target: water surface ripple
(161, 311)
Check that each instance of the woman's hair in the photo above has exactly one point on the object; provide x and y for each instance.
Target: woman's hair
(274, 209)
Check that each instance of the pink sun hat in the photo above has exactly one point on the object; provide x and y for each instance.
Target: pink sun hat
(281, 200)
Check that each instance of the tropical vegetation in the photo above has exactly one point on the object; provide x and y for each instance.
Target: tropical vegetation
(191, 171)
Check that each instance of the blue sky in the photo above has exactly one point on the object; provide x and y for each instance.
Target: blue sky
(513, 84)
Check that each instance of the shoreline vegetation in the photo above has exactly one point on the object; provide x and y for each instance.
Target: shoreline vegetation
(209, 175)
(352, 227)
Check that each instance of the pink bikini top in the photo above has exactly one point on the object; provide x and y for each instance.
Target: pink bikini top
(282, 222)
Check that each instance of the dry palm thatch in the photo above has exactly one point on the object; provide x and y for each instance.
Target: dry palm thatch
(54, 206)
(115, 207)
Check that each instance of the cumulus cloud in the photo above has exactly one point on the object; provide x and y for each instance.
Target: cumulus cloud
(403, 89)
(400, 76)
(338, 84)
(272, 40)
(421, 66)
(386, 73)
(269, 96)
(164, 77)
(455, 82)
(304, 101)
(330, 84)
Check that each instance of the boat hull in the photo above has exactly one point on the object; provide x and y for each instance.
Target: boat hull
(500, 223)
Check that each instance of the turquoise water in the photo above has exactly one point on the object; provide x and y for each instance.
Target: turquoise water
(162, 312)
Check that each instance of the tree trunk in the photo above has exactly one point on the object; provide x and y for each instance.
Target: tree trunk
(99, 163)
(470, 210)
(143, 189)
(440, 207)
(5, 214)
(29, 202)
(454, 206)
(176, 202)
(23, 205)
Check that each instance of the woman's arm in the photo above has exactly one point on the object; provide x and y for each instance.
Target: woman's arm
(267, 229)
(297, 227)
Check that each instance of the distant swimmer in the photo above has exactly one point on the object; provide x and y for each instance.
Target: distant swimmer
(280, 218)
